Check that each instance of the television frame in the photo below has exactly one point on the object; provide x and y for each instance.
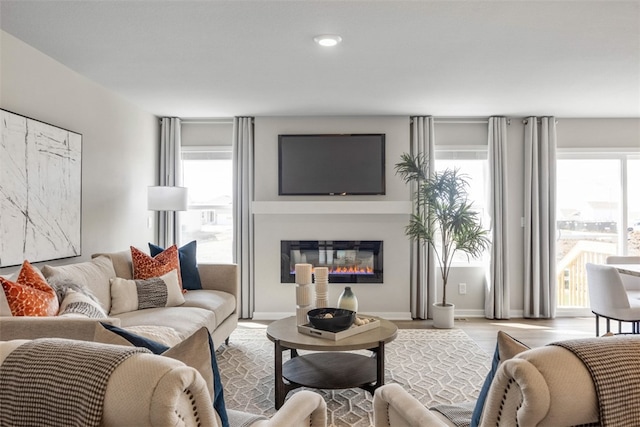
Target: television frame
(382, 166)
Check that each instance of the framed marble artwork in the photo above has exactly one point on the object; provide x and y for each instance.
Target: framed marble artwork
(40, 191)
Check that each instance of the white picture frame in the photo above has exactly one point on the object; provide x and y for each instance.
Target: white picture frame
(40, 191)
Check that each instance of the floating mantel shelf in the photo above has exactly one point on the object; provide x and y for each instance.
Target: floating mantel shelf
(331, 207)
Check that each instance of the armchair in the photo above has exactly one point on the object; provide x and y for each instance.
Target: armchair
(153, 390)
(545, 386)
(609, 298)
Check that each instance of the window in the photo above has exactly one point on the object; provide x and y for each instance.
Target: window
(208, 174)
(597, 205)
(472, 162)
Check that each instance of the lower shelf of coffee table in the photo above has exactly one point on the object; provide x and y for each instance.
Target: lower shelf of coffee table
(330, 370)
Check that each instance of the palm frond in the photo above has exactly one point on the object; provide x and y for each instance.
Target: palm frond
(442, 211)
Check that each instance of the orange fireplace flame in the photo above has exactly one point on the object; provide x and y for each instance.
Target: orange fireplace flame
(350, 270)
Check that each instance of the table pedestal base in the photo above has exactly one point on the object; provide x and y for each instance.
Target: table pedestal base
(327, 370)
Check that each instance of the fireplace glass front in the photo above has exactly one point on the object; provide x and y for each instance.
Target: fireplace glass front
(348, 261)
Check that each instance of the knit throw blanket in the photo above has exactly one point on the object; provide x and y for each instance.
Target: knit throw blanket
(614, 365)
(58, 382)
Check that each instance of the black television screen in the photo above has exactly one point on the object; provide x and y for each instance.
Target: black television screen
(331, 164)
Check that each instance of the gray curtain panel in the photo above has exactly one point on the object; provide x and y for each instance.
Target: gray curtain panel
(423, 261)
(170, 175)
(243, 191)
(540, 217)
(497, 290)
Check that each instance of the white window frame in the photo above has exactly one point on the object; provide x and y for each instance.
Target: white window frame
(469, 152)
(207, 152)
(621, 155)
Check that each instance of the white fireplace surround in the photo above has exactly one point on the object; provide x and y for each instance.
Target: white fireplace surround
(315, 220)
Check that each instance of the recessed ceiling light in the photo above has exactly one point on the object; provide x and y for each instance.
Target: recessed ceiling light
(327, 40)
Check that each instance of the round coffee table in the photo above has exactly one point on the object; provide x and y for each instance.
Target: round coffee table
(331, 367)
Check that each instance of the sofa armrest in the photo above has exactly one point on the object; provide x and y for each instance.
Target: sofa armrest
(19, 327)
(547, 385)
(220, 277)
(148, 390)
(304, 408)
(151, 390)
(394, 406)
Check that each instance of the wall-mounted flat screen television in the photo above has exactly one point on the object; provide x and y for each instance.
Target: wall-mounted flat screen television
(345, 164)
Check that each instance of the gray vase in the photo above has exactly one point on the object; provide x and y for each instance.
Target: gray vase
(348, 300)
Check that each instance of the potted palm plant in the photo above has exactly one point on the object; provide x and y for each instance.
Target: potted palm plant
(443, 219)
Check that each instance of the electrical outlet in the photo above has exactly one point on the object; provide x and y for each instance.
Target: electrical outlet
(462, 288)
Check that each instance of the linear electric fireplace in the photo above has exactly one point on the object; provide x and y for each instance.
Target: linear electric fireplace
(348, 261)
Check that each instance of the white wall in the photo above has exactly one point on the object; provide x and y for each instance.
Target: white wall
(274, 299)
(119, 144)
(207, 132)
(375, 221)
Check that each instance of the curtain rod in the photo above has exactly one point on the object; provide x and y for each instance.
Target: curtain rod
(525, 121)
(220, 121)
(460, 122)
(446, 121)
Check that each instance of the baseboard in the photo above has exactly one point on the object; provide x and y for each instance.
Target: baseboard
(267, 315)
(461, 314)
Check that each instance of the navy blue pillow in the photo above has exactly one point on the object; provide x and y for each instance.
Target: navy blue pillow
(159, 348)
(477, 411)
(506, 348)
(188, 264)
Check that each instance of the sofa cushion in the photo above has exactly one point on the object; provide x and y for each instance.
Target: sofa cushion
(188, 264)
(162, 334)
(30, 294)
(94, 274)
(5, 310)
(147, 267)
(196, 351)
(77, 304)
(507, 347)
(185, 320)
(220, 303)
(130, 295)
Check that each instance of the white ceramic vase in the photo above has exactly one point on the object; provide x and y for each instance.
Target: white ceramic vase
(348, 300)
(443, 315)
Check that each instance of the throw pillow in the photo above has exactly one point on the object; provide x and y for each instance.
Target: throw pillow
(506, 348)
(77, 304)
(94, 275)
(188, 264)
(62, 286)
(196, 351)
(146, 267)
(131, 295)
(30, 294)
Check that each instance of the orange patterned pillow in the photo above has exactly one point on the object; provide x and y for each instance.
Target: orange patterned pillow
(148, 267)
(30, 294)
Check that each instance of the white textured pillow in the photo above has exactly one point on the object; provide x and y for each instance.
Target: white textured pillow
(131, 295)
(76, 304)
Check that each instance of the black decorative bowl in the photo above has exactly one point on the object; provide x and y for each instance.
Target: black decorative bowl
(331, 319)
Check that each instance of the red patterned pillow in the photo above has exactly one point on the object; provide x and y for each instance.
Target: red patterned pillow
(148, 267)
(30, 294)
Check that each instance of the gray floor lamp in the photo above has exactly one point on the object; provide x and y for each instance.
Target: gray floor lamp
(167, 201)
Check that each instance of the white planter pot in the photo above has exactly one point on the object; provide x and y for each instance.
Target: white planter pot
(443, 315)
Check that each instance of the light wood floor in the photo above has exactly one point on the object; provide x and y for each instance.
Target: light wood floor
(533, 333)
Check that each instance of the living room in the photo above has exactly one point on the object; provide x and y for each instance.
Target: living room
(120, 134)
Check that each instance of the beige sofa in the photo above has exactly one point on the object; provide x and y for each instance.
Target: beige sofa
(545, 386)
(214, 306)
(150, 390)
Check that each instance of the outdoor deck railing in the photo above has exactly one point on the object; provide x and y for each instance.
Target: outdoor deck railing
(572, 275)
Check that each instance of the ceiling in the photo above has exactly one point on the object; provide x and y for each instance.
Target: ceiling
(257, 58)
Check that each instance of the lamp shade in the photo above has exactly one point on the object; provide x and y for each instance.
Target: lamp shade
(163, 198)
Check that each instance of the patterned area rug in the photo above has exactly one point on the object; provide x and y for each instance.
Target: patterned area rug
(435, 366)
